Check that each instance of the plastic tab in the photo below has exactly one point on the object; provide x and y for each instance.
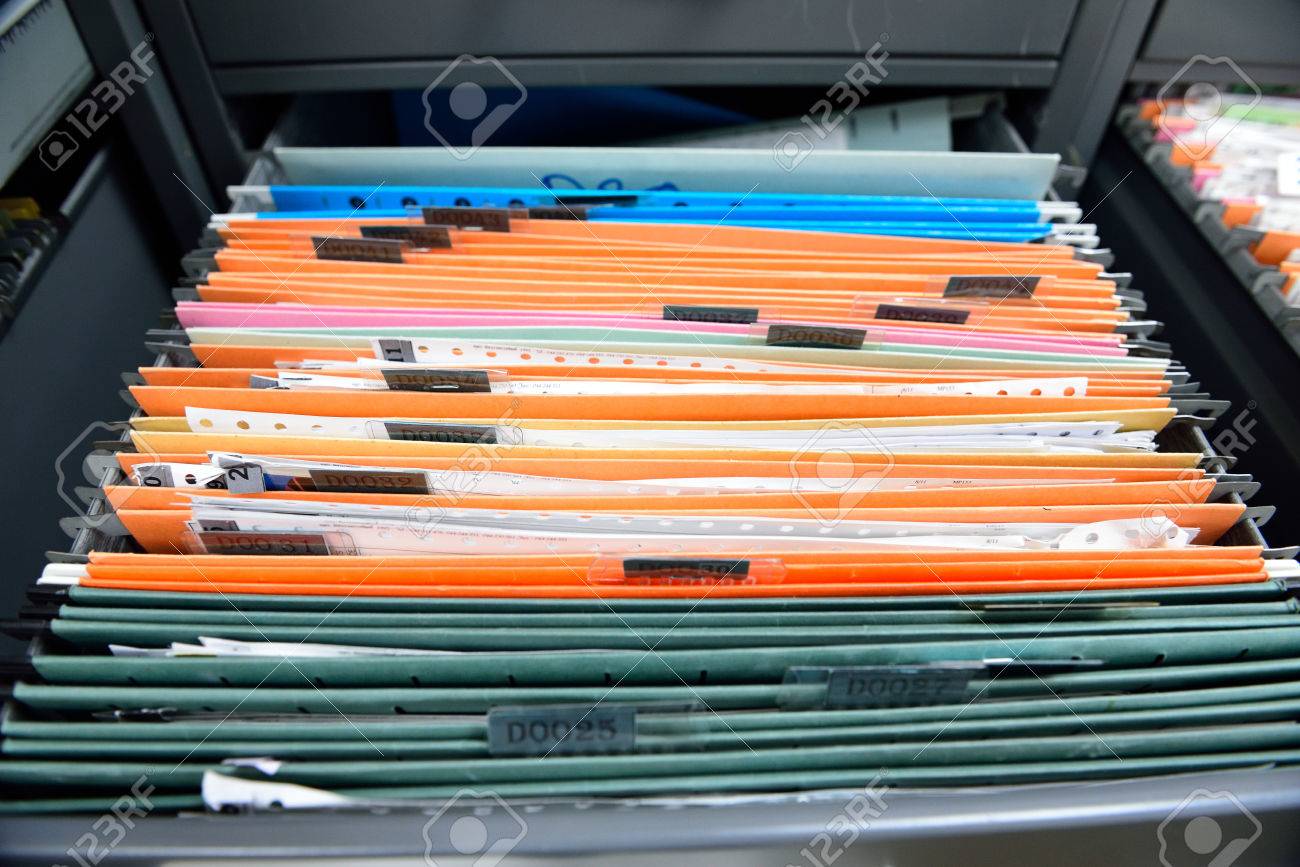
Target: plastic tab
(661, 571)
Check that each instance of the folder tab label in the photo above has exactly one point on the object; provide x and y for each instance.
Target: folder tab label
(428, 237)
(154, 476)
(694, 313)
(657, 570)
(897, 685)
(437, 379)
(559, 212)
(587, 198)
(434, 432)
(990, 286)
(486, 219)
(904, 313)
(358, 249)
(245, 479)
(245, 542)
(376, 481)
(395, 350)
(815, 336)
(561, 729)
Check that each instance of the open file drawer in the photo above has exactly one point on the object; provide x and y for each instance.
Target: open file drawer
(1069, 823)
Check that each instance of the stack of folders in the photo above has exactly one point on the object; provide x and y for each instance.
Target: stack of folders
(652, 493)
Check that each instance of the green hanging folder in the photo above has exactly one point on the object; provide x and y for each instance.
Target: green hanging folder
(92, 633)
(586, 769)
(683, 740)
(746, 665)
(1255, 591)
(298, 696)
(307, 727)
(691, 619)
(96, 805)
(856, 778)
